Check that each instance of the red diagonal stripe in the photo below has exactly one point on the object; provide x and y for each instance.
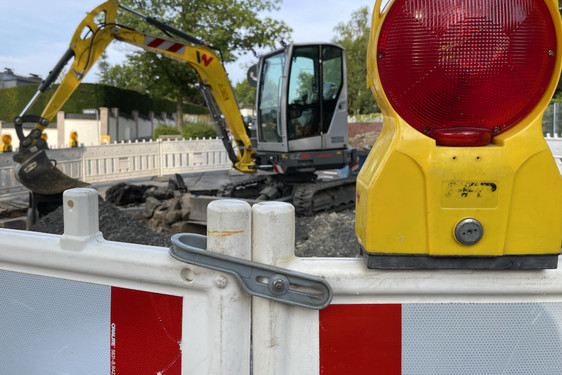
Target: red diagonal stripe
(175, 48)
(155, 43)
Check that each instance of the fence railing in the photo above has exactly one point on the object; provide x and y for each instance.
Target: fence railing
(120, 161)
(555, 144)
(552, 119)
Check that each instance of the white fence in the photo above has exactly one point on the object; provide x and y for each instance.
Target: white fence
(121, 161)
(555, 144)
(79, 304)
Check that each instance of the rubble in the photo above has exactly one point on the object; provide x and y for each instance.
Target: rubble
(160, 212)
(328, 234)
(364, 141)
(115, 224)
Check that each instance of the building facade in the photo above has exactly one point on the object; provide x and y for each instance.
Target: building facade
(9, 79)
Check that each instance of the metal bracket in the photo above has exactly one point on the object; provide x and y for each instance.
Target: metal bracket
(274, 283)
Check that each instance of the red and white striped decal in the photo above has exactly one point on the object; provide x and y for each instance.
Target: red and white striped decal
(164, 45)
(441, 338)
(355, 166)
(278, 168)
(63, 326)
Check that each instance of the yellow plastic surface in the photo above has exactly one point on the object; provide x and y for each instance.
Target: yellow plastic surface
(411, 194)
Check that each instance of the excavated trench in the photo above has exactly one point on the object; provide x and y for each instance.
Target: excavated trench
(164, 213)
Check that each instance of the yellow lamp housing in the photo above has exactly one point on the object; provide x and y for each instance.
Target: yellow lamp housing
(461, 175)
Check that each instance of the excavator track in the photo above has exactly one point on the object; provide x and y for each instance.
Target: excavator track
(248, 188)
(315, 197)
(308, 198)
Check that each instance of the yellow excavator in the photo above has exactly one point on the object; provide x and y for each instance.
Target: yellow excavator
(301, 110)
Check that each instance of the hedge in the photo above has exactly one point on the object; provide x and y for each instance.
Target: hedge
(88, 95)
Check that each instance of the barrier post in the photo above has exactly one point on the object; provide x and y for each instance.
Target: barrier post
(273, 239)
(229, 232)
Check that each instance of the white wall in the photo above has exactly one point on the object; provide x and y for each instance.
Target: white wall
(88, 132)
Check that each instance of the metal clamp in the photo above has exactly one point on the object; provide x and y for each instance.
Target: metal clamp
(274, 283)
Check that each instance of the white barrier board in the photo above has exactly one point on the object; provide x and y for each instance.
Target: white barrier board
(55, 326)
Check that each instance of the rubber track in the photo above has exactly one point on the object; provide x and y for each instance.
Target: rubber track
(228, 189)
(304, 195)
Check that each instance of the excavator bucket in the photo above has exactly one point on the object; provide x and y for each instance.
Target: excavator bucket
(40, 175)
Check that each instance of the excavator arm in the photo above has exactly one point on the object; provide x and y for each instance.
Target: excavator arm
(91, 38)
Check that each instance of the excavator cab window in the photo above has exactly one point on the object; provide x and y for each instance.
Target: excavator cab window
(270, 98)
(332, 82)
(304, 99)
(315, 82)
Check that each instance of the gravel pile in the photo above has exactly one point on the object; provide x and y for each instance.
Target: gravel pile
(115, 225)
(326, 234)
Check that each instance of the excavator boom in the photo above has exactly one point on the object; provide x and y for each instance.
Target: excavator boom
(91, 38)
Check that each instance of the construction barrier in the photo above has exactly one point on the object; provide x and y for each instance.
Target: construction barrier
(121, 161)
(79, 304)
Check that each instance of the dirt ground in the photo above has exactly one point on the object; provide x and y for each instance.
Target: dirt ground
(326, 234)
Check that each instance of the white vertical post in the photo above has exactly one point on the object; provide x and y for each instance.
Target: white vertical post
(83, 165)
(555, 110)
(229, 231)
(276, 351)
(160, 158)
(81, 217)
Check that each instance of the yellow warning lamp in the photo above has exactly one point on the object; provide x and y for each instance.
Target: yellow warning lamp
(461, 175)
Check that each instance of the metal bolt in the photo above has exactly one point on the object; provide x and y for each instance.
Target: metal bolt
(497, 129)
(381, 55)
(469, 232)
(550, 52)
(278, 285)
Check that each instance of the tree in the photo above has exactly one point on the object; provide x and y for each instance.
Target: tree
(103, 67)
(354, 37)
(233, 27)
(245, 94)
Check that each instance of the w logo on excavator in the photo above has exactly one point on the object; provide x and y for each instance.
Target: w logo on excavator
(206, 60)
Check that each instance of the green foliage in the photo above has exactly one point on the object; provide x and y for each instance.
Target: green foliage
(354, 37)
(245, 94)
(232, 27)
(198, 130)
(88, 95)
(164, 130)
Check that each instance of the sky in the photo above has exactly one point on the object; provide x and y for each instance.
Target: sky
(34, 34)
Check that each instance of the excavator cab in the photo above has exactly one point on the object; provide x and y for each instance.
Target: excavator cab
(302, 109)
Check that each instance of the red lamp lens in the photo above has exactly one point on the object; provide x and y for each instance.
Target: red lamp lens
(456, 64)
